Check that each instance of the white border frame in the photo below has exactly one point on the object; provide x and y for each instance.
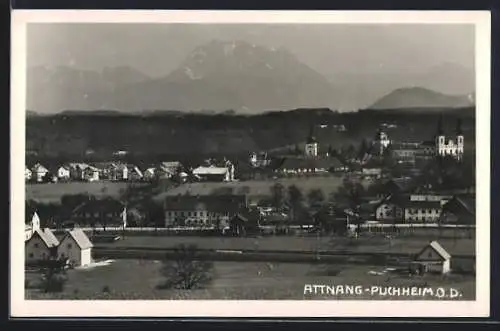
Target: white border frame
(224, 308)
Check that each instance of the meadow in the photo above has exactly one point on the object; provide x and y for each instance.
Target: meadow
(52, 192)
(259, 188)
(378, 244)
(138, 279)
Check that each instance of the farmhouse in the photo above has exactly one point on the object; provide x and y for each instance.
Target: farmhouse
(432, 258)
(27, 174)
(134, 173)
(38, 172)
(402, 209)
(76, 247)
(112, 171)
(103, 212)
(169, 169)
(202, 210)
(41, 246)
(91, 174)
(63, 173)
(76, 170)
(459, 210)
(150, 174)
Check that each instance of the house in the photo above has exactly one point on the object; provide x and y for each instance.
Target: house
(41, 246)
(76, 170)
(91, 174)
(390, 210)
(150, 174)
(168, 169)
(432, 258)
(101, 212)
(30, 228)
(39, 172)
(27, 174)
(215, 173)
(259, 160)
(63, 173)
(112, 171)
(422, 211)
(403, 209)
(461, 209)
(134, 173)
(202, 210)
(76, 247)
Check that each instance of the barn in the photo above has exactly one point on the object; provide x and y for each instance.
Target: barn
(432, 258)
(76, 247)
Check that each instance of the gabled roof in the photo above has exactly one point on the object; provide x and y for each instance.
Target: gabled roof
(39, 168)
(462, 204)
(438, 249)
(80, 238)
(47, 237)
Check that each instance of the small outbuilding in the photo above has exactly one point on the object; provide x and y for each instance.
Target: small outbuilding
(432, 258)
(76, 247)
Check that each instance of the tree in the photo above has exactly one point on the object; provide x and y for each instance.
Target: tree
(278, 195)
(295, 198)
(363, 149)
(351, 195)
(186, 269)
(315, 197)
(53, 276)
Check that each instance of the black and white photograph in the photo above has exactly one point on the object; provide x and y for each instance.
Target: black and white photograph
(199, 158)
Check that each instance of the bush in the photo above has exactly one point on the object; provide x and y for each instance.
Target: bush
(186, 269)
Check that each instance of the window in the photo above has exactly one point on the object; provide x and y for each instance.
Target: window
(36, 245)
(70, 246)
(429, 254)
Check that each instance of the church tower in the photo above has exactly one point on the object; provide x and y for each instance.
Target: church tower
(311, 148)
(460, 140)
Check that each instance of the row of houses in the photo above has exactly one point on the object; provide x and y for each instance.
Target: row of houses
(116, 171)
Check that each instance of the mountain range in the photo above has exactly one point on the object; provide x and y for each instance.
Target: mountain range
(238, 76)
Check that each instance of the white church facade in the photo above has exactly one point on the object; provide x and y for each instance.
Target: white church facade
(450, 146)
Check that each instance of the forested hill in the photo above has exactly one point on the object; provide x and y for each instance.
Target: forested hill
(176, 133)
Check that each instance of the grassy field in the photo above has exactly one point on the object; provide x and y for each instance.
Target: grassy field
(327, 184)
(52, 192)
(292, 243)
(138, 279)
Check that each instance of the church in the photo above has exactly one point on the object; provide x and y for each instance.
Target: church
(448, 145)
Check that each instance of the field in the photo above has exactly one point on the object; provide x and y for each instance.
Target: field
(292, 243)
(52, 192)
(327, 184)
(138, 279)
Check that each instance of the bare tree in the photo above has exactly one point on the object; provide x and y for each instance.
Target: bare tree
(186, 269)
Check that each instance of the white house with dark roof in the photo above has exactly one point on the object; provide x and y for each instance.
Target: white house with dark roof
(76, 247)
(38, 172)
(41, 246)
(433, 258)
(63, 173)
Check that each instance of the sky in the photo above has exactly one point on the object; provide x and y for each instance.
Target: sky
(157, 49)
